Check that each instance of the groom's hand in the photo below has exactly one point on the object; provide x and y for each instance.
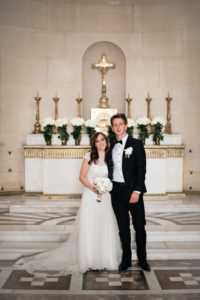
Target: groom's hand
(134, 197)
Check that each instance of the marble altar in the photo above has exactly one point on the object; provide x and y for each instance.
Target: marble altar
(55, 169)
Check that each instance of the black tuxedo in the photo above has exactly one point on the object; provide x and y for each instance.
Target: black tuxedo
(133, 169)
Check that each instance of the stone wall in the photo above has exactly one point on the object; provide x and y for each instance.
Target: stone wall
(42, 45)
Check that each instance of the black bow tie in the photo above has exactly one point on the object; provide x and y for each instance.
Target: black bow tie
(116, 141)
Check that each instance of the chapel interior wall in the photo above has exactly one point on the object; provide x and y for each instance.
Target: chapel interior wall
(42, 45)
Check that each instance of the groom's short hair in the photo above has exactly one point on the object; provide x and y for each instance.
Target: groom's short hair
(119, 116)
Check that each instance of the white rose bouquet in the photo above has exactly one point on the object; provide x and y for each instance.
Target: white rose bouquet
(48, 121)
(90, 127)
(77, 124)
(130, 126)
(77, 121)
(48, 126)
(143, 121)
(158, 124)
(142, 124)
(159, 120)
(61, 124)
(102, 185)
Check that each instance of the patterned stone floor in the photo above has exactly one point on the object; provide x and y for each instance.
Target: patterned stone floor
(171, 280)
(168, 279)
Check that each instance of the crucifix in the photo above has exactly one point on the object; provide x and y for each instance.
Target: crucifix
(103, 66)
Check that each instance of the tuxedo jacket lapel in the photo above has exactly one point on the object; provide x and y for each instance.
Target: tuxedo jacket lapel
(128, 144)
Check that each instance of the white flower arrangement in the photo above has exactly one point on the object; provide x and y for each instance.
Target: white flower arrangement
(91, 123)
(102, 185)
(48, 121)
(143, 121)
(158, 124)
(131, 123)
(61, 122)
(76, 121)
(128, 151)
(159, 120)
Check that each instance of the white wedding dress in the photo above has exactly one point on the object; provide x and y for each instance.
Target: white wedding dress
(94, 243)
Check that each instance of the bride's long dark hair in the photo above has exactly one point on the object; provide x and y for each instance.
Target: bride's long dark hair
(94, 156)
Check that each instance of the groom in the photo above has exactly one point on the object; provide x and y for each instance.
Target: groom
(127, 168)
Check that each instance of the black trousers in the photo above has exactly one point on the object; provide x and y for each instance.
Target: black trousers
(121, 205)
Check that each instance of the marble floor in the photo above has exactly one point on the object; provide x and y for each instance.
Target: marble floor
(29, 224)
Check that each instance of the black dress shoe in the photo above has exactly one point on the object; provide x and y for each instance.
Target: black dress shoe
(124, 266)
(145, 266)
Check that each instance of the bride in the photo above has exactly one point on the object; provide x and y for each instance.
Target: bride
(94, 243)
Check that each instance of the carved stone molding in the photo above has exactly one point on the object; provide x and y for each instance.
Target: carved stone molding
(152, 151)
(33, 151)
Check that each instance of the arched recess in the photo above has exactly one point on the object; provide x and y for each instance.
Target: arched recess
(115, 78)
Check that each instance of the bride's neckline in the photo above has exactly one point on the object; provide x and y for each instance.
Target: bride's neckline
(101, 160)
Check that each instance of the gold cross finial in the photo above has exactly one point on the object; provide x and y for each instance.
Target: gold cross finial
(103, 65)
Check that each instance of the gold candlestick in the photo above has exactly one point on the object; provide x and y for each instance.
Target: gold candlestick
(56, 99)
(128, 100)
(79, 100)
(168, 126)
(37, 126)
(149, 127)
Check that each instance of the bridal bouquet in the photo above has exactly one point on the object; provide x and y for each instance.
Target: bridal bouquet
(102, 185)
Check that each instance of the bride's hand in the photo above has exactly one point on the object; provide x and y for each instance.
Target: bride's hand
(96, 192)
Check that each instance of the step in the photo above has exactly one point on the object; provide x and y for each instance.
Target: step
(155, 251)
(35, 233)
(53, 233)
(43, 206)
(65, 207)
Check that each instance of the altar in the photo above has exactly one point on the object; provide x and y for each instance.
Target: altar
(54, 170)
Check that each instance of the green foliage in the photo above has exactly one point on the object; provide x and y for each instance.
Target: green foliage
(76, 133)
(111, 135)
(90, 131)
(143, 132)
(64, 135)
(47, 132)
(129, 130)
(157, 136)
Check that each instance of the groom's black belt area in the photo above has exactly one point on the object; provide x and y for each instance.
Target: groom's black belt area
(119, 184)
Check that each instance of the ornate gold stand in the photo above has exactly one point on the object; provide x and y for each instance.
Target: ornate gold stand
(79, 100)
(37, 126)
(149, 127)
(43, 151)
(168, 126)
(56, 99)
(128, 100)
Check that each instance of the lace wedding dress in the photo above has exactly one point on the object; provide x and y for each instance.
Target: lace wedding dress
(94, 243)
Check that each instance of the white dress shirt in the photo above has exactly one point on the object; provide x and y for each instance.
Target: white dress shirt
(117, 155)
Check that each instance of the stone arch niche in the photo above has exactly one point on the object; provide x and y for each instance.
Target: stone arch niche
(115, 78)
